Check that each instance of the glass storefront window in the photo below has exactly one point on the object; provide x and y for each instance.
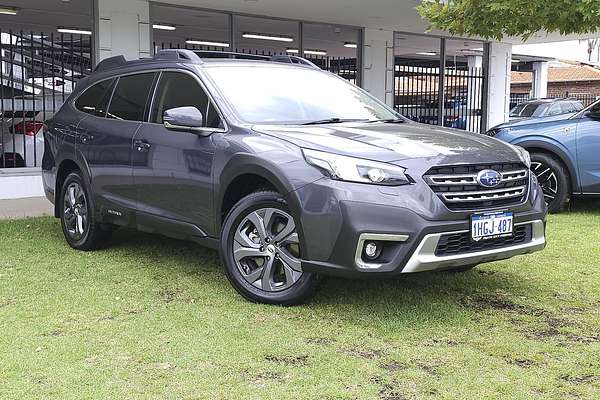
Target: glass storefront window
(174, 27)
(332, 48)
(265, 36)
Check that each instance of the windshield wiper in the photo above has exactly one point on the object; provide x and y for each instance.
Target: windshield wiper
(334, 120)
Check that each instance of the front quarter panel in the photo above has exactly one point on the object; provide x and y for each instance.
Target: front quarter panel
(245, 152)
(557, 137)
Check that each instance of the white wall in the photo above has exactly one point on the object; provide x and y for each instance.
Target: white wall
(498, 96)
(123, 28)
(16, 183)
(378, 64)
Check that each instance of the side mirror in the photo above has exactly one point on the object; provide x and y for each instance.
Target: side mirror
(186, 119)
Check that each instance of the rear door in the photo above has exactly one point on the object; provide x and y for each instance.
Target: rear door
(105, 140)
(173, 171)
(588, 151)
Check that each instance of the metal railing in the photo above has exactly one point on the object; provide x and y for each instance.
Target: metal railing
(38, 72)
(585, 98)
(417, 95)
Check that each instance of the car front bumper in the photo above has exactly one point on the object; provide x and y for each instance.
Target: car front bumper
(338, 218)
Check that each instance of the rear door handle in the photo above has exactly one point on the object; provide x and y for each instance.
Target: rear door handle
(142, 146)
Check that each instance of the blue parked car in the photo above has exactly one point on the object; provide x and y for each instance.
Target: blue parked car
(565, 152)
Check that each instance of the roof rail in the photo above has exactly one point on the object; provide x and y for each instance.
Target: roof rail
(110, 63)
(293, 60)
(230, 54)
(176, 55)
(283, 58)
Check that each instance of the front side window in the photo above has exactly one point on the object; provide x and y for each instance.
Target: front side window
(95, 99)
(130, 96)
(292, 95)
(177, 89)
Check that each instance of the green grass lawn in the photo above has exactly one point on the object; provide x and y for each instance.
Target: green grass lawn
(156, 318)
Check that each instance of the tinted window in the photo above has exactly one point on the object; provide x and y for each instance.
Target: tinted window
(129, 99)
(91, 100)
(213, 120)
(181, 90)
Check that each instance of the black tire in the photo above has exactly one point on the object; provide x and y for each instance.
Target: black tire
(553, 177)
(464, 268)
(91, 235)
(239, 219)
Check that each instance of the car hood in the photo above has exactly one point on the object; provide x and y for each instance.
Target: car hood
(396, 142)
(529, 121)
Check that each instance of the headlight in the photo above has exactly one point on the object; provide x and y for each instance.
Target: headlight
(356, 169)
(523, 155)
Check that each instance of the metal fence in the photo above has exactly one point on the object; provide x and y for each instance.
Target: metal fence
(418, 92)
(38, 72)
(585, 98)
(344, 67)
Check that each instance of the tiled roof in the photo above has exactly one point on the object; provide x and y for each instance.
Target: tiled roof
(574, 73)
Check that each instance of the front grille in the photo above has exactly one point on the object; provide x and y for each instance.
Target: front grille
(461, 243)
(458, 188)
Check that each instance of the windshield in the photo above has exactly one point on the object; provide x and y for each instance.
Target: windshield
(527, 110)
(292, 95)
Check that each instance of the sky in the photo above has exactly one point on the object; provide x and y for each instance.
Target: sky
(570, 50)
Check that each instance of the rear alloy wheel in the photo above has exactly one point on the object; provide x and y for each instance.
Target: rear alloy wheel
(553, 180)
(77, 218)
(261, 251)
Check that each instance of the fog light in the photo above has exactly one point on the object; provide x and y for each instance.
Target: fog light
(371, 250)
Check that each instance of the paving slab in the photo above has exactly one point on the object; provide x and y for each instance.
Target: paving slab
(26, 207)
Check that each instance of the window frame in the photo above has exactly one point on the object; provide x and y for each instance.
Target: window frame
(211, 100)
(153, 89)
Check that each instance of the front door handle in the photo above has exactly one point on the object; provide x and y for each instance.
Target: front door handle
(142, 146)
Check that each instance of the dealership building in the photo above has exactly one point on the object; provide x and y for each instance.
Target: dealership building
(383, 46)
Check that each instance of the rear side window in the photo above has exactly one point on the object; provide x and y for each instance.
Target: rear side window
(130, 96)
(555, 109)
(567, 107)
(95, 98)
(177, 89)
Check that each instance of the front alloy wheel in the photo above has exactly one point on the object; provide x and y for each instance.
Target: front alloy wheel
(553, 179)
(266, 249)
(261, 251)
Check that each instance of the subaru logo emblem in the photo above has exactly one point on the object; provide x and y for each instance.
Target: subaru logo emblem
(489, 178)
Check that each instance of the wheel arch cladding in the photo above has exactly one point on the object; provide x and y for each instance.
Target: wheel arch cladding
(544, 147)
(65, 167)
(245, 174)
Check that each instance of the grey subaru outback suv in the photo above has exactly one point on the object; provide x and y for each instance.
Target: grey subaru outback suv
(289, 171)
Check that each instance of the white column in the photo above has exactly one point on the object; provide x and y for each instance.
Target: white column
(474, 90)
(540, 79)
(498, 95)
(378, 64)
(122, 28)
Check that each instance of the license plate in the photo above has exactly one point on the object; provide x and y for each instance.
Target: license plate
(491, 225)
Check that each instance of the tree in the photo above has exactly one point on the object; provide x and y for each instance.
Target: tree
(592, 44)
(500, 18)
